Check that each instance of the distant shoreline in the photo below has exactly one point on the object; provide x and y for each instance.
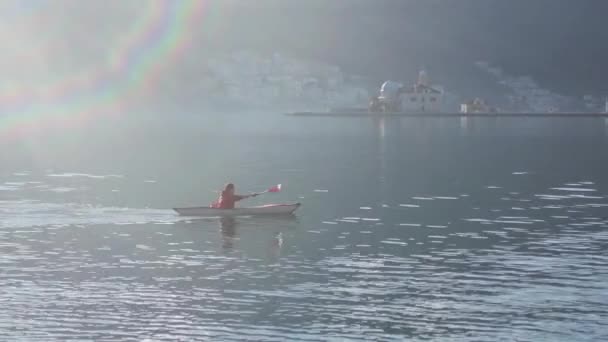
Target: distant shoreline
(443, 115)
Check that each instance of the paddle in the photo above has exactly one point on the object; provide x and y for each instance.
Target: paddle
(276, 188)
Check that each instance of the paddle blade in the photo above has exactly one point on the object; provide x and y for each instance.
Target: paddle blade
(275, 188)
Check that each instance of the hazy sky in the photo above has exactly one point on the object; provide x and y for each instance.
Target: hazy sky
(560, 42)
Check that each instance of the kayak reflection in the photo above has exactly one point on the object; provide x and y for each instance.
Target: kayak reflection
(274, 227)
(228, 229)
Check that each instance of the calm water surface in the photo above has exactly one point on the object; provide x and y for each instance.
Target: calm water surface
(411, 229)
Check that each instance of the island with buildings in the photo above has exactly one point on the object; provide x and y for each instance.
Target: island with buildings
(277, 82)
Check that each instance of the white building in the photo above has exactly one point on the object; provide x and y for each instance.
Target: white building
(422, 96)
(476, 106)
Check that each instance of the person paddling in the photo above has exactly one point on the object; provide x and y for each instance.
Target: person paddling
(228, 198)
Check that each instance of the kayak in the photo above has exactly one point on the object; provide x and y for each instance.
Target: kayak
(269, 209)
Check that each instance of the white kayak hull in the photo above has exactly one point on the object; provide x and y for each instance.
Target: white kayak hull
(271, 209)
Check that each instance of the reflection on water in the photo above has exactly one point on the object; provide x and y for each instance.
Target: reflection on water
(228, 229)
(381, 155)
(464, 125)
(422, 232)
(274, 226)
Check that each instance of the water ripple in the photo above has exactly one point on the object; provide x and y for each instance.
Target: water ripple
(73, 271)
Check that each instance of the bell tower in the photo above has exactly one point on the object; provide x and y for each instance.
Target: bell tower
(423, 78)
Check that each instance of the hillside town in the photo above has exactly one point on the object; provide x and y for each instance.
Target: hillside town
(277, 81)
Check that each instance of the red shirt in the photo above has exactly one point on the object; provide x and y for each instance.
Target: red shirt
(228, 200)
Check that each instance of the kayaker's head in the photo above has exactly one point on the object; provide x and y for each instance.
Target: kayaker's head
(229, 188)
